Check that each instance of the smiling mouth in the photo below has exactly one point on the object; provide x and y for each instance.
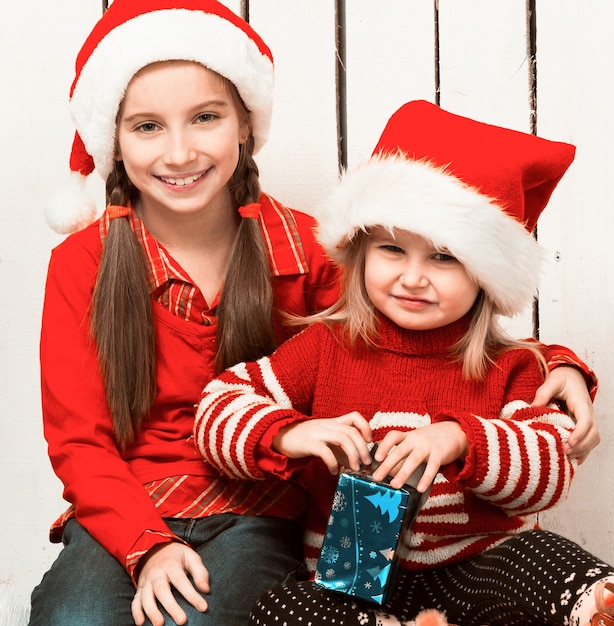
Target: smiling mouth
(181, 182)
(415, 301)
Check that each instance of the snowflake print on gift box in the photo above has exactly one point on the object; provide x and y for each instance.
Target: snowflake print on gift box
(345, 542)
(339, 502)
(330, 573)
(376, 527)
(329, 554)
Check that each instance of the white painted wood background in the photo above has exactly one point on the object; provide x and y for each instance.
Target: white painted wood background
(390, 52)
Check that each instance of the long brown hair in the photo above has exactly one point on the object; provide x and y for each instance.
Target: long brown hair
(122, 321)
(245, 329)
(476, 349)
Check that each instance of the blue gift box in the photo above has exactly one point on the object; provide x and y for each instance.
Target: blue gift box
(366, 521)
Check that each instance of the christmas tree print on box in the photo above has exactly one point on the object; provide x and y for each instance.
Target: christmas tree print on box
(366, 521)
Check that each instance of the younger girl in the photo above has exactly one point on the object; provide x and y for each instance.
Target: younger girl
(433, 237)
(171, 99)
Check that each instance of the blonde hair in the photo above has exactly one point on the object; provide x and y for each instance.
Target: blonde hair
(476, 350)
(122, 322)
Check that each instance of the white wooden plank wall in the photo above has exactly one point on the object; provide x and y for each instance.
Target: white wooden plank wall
(469, 54)
(575, 102)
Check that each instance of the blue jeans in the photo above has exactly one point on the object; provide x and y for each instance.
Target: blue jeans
(244, 554)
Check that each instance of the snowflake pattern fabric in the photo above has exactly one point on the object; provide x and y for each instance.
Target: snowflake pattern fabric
(532, 579)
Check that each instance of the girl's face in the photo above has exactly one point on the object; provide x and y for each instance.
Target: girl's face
(178, 135)
(413, 284)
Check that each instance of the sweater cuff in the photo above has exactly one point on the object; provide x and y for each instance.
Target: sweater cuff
(468, 464)
(557, 356)
(273, 462)
(148, 540)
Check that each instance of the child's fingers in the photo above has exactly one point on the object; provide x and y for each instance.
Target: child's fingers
(351, 450)
(356, 420)
(145, 604)
(185, 587)
(399, 462)
(432, 467)
(354, 434)
(329, 458)
(388, 443)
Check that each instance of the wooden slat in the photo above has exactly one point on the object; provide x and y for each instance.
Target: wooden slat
(300, 159)
(484, 74)
(483, 61)
(575, 55)
(39, 41)
(233, 5)
(390, 60)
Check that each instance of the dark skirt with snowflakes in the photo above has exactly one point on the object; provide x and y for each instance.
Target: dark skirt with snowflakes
(532, 579)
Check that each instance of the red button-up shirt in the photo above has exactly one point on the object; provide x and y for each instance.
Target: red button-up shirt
(121, 497)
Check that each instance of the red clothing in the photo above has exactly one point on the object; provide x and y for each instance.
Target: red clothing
(515, 467)
(105, 486)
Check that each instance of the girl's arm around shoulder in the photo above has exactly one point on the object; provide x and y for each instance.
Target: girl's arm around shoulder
(516, 460)
(242, 409)
(573, 383)
(559, 356)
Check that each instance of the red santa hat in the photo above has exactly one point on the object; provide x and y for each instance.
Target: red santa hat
(469, 187)
(131, 35)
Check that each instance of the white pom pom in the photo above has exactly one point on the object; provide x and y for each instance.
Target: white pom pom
(72, 208)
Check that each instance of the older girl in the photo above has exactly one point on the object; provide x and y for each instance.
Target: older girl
(182, 276)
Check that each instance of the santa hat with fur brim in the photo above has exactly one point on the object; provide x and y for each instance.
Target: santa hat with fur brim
(473, 189)
(131, 35)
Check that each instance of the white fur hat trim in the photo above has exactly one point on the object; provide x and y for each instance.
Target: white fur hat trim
(395, 192)
(173, 34)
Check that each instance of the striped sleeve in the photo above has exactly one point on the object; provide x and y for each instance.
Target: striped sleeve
(238, 407)
(519, 463)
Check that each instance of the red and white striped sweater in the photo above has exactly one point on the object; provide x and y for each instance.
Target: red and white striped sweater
(516, 465)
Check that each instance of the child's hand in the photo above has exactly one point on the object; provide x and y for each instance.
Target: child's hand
(167, 567)
(568, 384)
(400, 453)
(336, 440)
